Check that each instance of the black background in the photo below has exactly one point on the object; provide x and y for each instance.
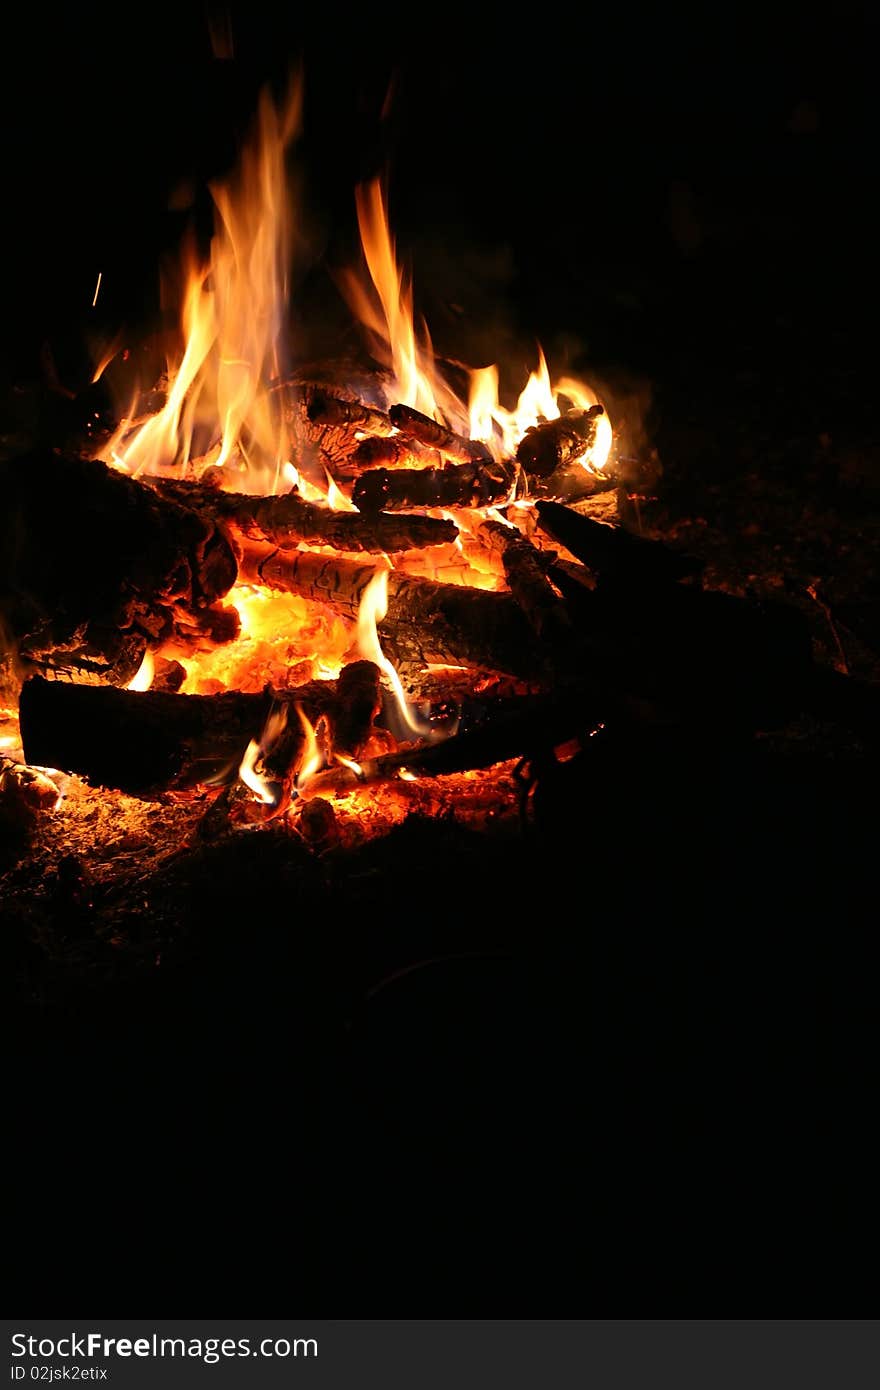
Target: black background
(630, 182)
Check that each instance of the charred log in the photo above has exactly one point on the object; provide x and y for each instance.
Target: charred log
(85, 599)
(324, 409)
(455, 485)
(521, 727)
(436, 436)
(612, 552)
(289, 519)
(555, 444)
(396, 452)
(468, 484)
(147, 743)
(525, 571)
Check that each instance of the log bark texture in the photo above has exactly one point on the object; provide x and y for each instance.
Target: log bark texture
(146, 743)
(555, 444)
(286, 520)
(436, 436)
(525, 571)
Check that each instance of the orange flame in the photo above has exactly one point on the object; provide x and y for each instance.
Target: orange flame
(233, 327)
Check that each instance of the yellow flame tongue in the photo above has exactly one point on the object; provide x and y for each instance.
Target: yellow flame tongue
(372, 609)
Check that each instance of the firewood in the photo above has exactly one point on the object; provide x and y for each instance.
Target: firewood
(455, 485)
(469, 484)
(426, 622)
(398, 451)
(613, 552)
(288, 519)
(436, 436)
(94, 566)
(554, 444)
(544, 610)
(150, 742)
(514, 728)
(324, 409)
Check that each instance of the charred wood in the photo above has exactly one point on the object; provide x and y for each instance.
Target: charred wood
(398, 451)
(289, 519)
(555, 444)
(612, 552)
(147, 743)
(525, 571)
(324, 409)
(514, 728)
(436, 436)
(455, 485)
(94, 566)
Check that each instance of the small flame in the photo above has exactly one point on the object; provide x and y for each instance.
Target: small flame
(107, 357)
(312, 758)
(143, 677)
(372, 609)
(263, 788)
(350, 763)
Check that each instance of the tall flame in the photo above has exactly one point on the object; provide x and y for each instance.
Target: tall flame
(233, 315)
(385, 308)
(384, 305)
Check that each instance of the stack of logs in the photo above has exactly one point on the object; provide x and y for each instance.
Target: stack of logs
(96, 567)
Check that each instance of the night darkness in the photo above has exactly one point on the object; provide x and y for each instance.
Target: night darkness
(680, 204)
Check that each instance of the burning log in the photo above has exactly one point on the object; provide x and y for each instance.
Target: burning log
(436, 436)
(425, 622)
(555, 444)
(514, 728)
(324, 409)
(289, 519)
(147, 743)
(524, 570)
(612, 552)
(85, 600)
(396, 452)
(455, 485)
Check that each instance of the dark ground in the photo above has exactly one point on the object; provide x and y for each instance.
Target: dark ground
(632, 1069)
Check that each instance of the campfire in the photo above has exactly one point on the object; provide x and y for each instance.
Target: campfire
(326, 597)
